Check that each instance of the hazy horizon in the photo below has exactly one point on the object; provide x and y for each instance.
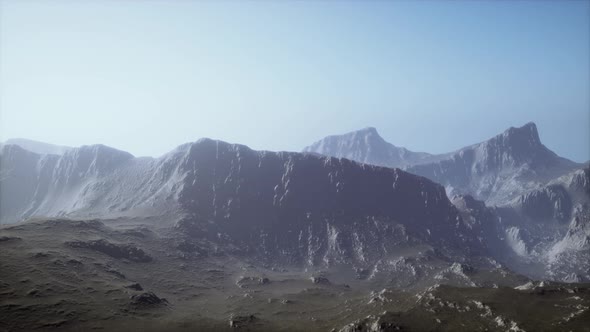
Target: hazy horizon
(145, 77)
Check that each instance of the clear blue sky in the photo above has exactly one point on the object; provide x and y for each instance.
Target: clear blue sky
(146, 76)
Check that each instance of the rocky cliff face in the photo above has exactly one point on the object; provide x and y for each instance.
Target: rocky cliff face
(573, 216)
(550, 202)
(335, 209)
(499, 169)
(85, 180)
(558, 201)
(23, 174)
(366, 146)
(550, 226)
(308, 208)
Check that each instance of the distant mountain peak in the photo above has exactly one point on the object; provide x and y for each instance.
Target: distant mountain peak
(519, 145)
(500, 168)
(366, 146)
(100, 147)
(531, 125)
(370, 133)
(368, 130)
(37, 147)
(527, 134)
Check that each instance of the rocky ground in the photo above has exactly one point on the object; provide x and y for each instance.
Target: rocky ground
(127, 274)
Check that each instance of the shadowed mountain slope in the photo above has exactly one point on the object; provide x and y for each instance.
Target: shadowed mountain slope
(312, 209)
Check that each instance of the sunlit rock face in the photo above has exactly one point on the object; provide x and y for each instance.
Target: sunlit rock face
(499, 169)
(494, 171)
(366, 146)
(549, 226)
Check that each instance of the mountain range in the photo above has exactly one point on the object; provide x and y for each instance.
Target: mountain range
(313, 208)
(538, 200)
(495, 171)
(349, 210)
(367, 146)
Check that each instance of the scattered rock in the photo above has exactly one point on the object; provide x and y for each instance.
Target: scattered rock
(40, 255)
(320, 280)
(74, 262)
(461, 268)
(283, 301)
(372, 323)
(383, 296)
(9, 238)
(237, 322)
(147, 299)
(245, 282)
(118, 251)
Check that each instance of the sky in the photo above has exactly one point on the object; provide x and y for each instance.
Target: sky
(147, 76)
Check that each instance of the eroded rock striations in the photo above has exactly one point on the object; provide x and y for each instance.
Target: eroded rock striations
(499, 169)
(310, 209)
(527, 204)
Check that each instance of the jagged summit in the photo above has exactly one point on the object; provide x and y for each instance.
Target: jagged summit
(526, 132)
(523, 138)
(515, 147)
(495, 170)
(366, 146)
(498, 169)
(369, 130)
(366, 135)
